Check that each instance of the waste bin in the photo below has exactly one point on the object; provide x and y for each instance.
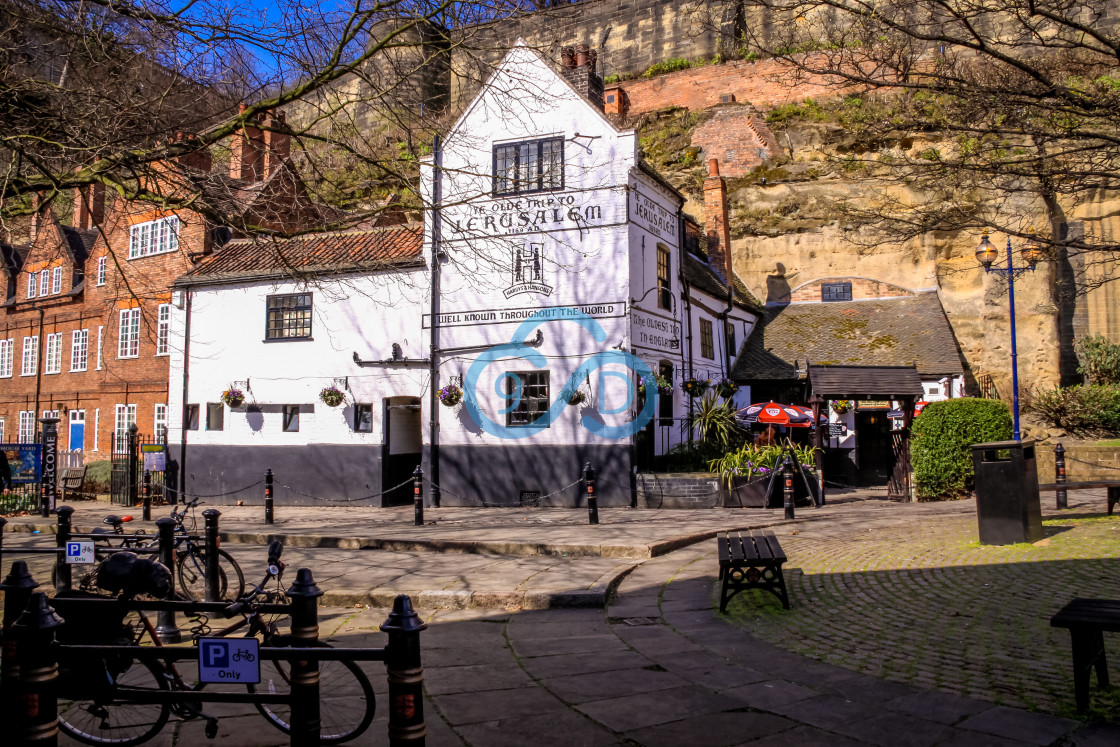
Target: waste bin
(1007, 505)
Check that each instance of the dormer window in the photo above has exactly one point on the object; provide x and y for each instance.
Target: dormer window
(154, 237)
(529, 166)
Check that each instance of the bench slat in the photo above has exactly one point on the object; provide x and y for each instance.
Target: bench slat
(737, 550)
(1099, 613)
(776, 551)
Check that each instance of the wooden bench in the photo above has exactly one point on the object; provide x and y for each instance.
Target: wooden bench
(1112, 485)
(1087, 620)
(750, 561)
(70, 480)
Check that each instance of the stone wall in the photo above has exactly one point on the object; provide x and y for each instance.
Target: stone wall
(679, 490)
(1083, 462)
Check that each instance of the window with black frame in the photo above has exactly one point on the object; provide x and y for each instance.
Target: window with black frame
(291, 418)
(363, 418)
(836, 291)
(707, 342)
(534, 400)
(664, 279)
(191, 420)
(665, 401)
(529, 166)
(289, 317)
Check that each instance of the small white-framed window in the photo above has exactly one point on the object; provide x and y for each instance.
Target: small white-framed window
(44, 281)
(56, 281)
(30, 356)
(26, 426)
(124, 419)
(128, 338)
(102, 265)
(153, 237)
(79, 350)
(163, 329)
(159, 420)
(52, 360)
(31, 285)
(100, 336)
(1, 430)
(96, 426)
(7, 357)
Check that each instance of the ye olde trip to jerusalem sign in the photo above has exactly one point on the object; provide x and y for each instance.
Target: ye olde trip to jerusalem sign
(526, 215)
(652, 217)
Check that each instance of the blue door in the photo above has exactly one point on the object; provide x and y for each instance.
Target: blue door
(77, 430)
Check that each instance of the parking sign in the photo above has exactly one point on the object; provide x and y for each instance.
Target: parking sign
(234, 660)
(79, 553)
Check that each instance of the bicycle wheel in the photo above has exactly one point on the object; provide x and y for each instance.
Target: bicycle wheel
(192, 575)
(346, 700)
(94, 721)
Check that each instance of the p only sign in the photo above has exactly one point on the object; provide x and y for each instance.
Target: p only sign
(79, 553)
(229, 660)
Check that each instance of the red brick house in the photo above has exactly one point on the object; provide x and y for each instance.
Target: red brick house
(84, 324)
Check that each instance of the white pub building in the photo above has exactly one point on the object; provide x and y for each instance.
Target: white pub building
(514, 342)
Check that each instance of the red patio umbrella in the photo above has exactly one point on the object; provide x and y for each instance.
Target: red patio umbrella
(897, 413)
(771, 413)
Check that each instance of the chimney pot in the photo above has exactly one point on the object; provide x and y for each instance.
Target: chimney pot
(581, 55)
(567, 58)
(713, 167)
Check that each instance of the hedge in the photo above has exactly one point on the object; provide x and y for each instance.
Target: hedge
(942, 439)
(1090, 410)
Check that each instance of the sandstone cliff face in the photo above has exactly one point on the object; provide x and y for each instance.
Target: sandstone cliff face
(788, 229)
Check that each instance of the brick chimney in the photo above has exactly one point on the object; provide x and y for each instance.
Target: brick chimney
(277, 144)
(89, 206)
(246, 158)
(716, 222)
(578, 67)
(198, 160)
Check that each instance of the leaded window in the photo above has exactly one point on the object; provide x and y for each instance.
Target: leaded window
(707, 346)
(153, 237)
(528, 398)
(529, 166)
(836, 291)
(289, 317)
(664, 279)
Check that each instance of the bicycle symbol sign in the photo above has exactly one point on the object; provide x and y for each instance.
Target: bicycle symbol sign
(229, 660)
(79, 553)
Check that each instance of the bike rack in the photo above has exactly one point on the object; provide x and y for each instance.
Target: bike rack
(31, 656)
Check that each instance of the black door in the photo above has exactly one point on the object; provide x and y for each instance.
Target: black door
(874, 456)
(401, 452)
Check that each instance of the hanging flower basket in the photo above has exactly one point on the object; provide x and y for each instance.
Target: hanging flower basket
(450, 395)
(663, 385)
(695, 387)
(841, 406)
(727, 388)
(332, 396)
(576, 398)
(233, 397)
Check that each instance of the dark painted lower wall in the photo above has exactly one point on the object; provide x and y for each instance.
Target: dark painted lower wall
(497, 475)
(335, 473)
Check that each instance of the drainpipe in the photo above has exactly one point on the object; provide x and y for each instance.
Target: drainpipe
(38, 361)
(183, 418)
(433, 370)
(686, 299)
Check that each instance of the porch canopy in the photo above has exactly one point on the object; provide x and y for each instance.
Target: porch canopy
(865, 382)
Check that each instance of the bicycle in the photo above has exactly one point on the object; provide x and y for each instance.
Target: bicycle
(94, 713)
(190, 556)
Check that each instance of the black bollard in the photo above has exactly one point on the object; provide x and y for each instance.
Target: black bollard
(592, 494)
(213, 590)
(146, 513)
(166, 628)
(17, 589)
(405, 674)
(268, 515)
(62, 576)
(1060, 496)
(787, 491)
(417, 497)
(37, 659)
(305, 721)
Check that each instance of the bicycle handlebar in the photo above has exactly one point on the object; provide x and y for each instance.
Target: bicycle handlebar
(275, 570)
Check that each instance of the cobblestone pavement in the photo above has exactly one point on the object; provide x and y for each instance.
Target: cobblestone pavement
(928, 606)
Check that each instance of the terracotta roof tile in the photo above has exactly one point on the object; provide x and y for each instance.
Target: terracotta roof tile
(344, 251)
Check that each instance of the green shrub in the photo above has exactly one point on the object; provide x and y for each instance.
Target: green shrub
(671, 65)
(1100, 359)
(942, 439)
(1089, 410)
(97, 477)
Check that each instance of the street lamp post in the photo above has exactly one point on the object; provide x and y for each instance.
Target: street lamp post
(986, 255)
